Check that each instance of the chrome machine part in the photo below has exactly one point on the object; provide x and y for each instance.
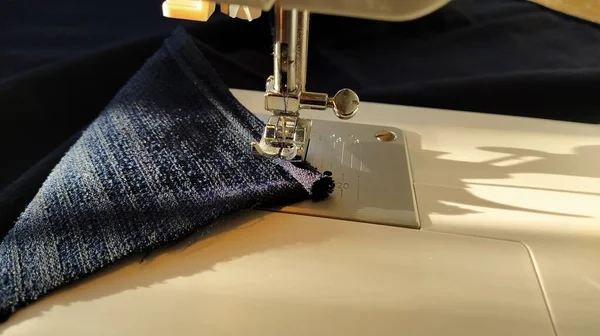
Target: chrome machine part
(286, 135)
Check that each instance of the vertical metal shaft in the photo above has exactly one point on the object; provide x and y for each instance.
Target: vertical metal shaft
(290, 50)
(279, 17)
(302, 57)
(291, 65)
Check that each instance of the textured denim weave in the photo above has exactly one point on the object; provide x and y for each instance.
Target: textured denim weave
(168, 155)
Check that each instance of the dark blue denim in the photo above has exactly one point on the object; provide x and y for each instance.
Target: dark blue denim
(167, 156)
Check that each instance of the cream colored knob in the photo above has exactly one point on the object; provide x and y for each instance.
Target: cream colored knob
(195, 10)
(240, 11)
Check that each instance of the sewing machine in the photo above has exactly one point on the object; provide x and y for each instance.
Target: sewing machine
(442, 222)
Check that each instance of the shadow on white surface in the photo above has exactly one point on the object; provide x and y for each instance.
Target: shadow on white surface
(263, 276)
(180, 260)
(508, 179)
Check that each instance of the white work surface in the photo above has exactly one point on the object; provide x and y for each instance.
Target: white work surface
(509, 213)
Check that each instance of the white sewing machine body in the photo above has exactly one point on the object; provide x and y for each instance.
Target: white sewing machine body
(507, 244)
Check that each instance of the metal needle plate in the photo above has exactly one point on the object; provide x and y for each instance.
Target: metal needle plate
(370, 166)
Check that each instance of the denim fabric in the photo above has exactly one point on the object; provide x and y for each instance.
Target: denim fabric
(167, 156)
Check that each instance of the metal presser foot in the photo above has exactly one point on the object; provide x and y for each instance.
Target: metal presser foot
(286, 134)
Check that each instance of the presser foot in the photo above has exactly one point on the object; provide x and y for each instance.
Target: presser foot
(286, 137)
